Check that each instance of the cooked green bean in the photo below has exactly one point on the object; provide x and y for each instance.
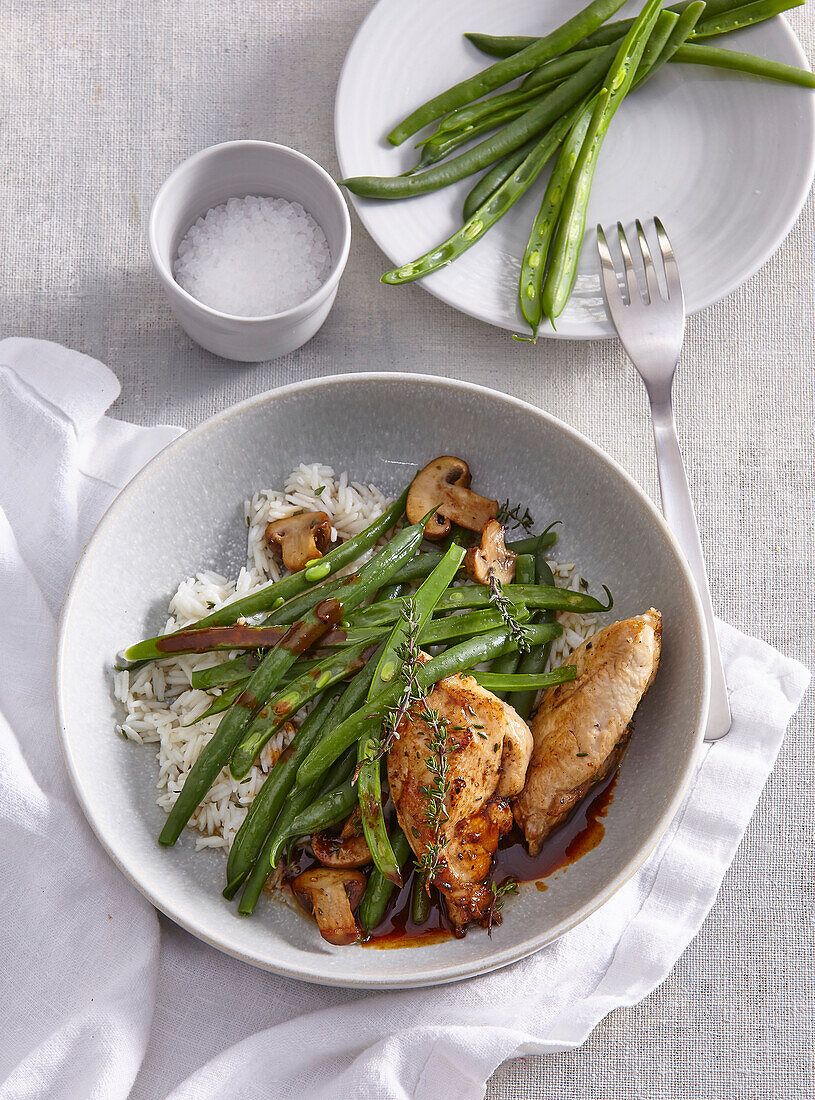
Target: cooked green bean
(568, 236)
(682, 27)
(379, 889)
(369, 765)
(533, 264)
(492, 179)
(285, 589)
(286, 703)
(329, 809)
(571, 61)
(734, 19)
(494, 76)
(439, 146)
(691, 54)
(466, 117)
(420, 902)
(267, 803)
(535, 660)
(240, 668)
(477, 596)
(261, 824)
(368, 719)
(487, 215)
(548, 112)
(272, 668)
(524, 574)
(497, 682)
(533, 543)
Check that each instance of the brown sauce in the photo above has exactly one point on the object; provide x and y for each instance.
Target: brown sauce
(579, 834)
(238, 636)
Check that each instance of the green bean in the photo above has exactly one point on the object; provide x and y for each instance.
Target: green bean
(494, 76)
(533, 264)
(223, 701)
(368, 719)
(683, 26)
(329, 809)
(524, 574)
(420, 902)
(487, 215)
(240, 668)
(423, 564)
(535, 660)
(735, 19)
(445, 628)
(283, 590)
(691, 54)
(369, 765)
(570, 62)
(379, 889)
(657, 41)
(533, 543)
(545, 115)
(260, 822)
(438, 147)
(272, 668)
(477, 596)
(500, 45)
(568, 235)
(466, 117)
(497, 682)
(287, 702)
(492, 179)
(268, 801)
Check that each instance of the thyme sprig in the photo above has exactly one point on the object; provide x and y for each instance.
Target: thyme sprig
(410, 658)
(513, 516)
(499, 893)
(507, 612)
(432, 860)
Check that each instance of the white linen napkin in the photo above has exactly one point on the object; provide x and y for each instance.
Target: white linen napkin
(102, 999)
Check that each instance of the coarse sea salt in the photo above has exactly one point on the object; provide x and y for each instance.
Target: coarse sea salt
(254, 256)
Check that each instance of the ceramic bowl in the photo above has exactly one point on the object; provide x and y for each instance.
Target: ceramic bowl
(235, 169)
(184, 513)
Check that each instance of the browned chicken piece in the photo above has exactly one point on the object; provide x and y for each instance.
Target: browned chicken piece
(581, 728)
(488, 750)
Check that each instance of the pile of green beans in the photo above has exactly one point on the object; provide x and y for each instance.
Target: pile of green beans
(339, 644)
(571, 86)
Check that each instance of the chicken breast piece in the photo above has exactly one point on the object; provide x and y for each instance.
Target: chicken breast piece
(488, 750)
(581, 728)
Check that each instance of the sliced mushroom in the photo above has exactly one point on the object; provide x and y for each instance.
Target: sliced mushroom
(492, 554)
(332, 897)
(340, 851)
(444, 484)
(299, 539)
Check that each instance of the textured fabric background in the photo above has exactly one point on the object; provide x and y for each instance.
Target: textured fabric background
(101, 101)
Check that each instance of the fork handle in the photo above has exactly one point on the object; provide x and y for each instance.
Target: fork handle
(677, 505)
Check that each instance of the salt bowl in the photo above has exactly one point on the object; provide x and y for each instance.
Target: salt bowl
(222, 207)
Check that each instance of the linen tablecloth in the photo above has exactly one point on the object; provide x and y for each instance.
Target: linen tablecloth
(102, 101)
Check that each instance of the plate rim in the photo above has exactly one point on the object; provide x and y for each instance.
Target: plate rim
(546, 331)
(422, 978)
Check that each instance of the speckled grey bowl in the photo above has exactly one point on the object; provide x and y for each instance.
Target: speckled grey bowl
(184, 513)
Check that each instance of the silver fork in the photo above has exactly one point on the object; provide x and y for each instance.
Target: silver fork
(651, 328)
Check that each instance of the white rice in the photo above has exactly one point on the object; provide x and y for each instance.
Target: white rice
(161, 706)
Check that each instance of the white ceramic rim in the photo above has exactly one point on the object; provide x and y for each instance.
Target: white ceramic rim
(422, 977)
(546, 331)
(302, 308)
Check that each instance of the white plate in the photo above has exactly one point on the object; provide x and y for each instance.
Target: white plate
(725, 160)
(184, 513)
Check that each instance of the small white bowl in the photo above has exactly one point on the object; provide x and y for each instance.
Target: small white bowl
(235, 169)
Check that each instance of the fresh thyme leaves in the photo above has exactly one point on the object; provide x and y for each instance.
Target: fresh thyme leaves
(508, 515)
(432, 858)
(507, 613)
(508, 886)
(408, 654)
(318, 492)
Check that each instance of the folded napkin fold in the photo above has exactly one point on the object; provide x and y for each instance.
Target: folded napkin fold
(104, 999)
